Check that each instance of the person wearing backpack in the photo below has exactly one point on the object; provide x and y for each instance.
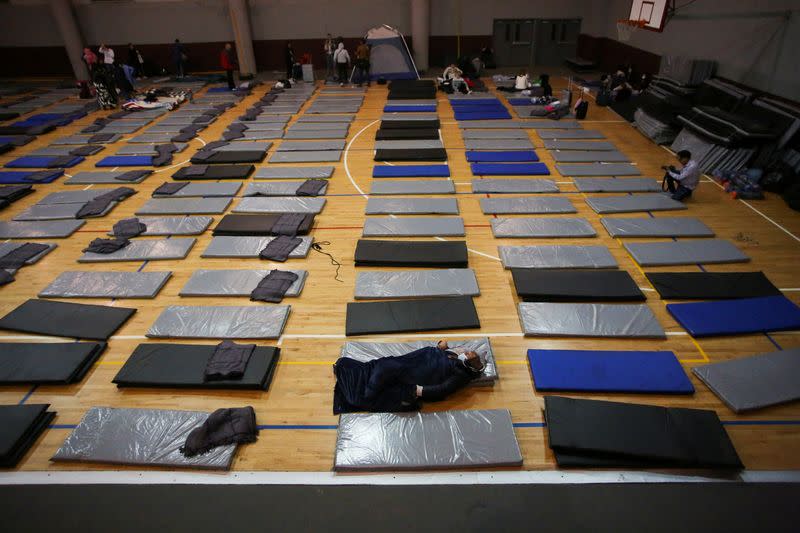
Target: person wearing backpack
(342, 60)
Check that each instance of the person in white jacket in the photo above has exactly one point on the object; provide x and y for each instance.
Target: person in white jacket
(342, 60)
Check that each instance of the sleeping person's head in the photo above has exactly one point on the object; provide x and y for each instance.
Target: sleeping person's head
(472, 361)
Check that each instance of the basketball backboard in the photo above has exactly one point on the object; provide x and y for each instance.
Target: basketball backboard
(652, 12)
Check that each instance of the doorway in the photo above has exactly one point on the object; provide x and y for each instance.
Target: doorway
(528, 42)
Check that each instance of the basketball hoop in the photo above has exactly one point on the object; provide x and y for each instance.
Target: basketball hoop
(626, 27)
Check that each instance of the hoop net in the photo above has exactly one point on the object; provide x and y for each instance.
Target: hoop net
(626, 27)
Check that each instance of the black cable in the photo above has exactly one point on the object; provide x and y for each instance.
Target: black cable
(317, 246)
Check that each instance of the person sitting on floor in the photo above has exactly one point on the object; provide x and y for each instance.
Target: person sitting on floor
(401, 383)
(453, 76)
(522, 81)
(544, 83)
(682, 182)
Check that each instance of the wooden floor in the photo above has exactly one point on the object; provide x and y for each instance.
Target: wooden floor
(297, 408)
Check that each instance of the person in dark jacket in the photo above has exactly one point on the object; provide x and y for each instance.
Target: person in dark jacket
(289, 55)
(389, 384)
(179, 58)
(228, 63)
(135, 61)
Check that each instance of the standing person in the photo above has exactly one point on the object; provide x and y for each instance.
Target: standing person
(342, 60)
(90, 58)
(329, 48)
(362, 63)
(132, 60)
(228, 62)
(179, 58)
(289, 56)
(681, 183)
(108, 54)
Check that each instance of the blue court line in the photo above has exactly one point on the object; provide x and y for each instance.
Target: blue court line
(28, 395)
(773, 341)
(62, 426)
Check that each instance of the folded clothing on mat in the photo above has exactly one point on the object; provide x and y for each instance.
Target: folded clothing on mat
(222, 427)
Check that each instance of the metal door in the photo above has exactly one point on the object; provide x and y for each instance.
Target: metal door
(556, 40)
(513, 41)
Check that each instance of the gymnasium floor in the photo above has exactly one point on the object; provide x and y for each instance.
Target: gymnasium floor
(299, 430)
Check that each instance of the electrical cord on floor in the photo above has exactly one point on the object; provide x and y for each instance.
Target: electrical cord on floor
(317, 246)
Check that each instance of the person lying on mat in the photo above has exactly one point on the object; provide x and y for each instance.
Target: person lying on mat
(682, 182)
(401, 383)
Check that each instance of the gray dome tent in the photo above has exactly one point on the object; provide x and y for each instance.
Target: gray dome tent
(390, 57)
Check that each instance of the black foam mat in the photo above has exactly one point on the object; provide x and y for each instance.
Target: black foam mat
(183, 365)
(432, 124)
(711, 285)
(621, 434)
(412, 94)
(64, 319)
(364, 318)
(419, 154)
(256, 225)
(231, 156)
(535, 285)
(394, 134)
(59, 363)
(450, 254)
(20, 426)
(216, 172)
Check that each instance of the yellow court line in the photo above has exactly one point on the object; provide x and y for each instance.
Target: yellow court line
(700, 349)
(510, 362)
(300, 363)
(115, 363)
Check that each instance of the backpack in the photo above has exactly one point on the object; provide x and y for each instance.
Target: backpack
(603, 98)
(581, 110)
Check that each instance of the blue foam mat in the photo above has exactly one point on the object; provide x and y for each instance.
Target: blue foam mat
(608, 371)
(510, 169)
(508, 156)
(482, 115)
(467, 102)
(737, 317)
(18, 177)
(126, 161)
(30, 161)
(411, 171)
(409, 109)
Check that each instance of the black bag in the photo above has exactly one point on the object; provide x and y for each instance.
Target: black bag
(778, 178)
(603, 98)
(297, 72)
(581, 110)
(792, 196)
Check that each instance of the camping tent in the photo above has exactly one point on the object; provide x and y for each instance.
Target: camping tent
(389, 56)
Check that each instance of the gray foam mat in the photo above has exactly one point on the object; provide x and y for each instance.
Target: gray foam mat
(184, 206)
(588, 156)
(406, 186)
(144, 250)
(277, 188)
(245, 146)
(56, 212)
(255, 135)
(319, 126)
(273, 173)
(634, 203)
(412, 206)
(703, 251)
(571, 134)
(498, 144)
(306, 157)
(316, 134)
(142, 437)
(146, 149)
(409, 116)
(589, 320)
(63, 150)
(8, 247)
(597, 169)
(493, 134)
(152, 138)
(296, 204)
(412, 144)
(579, 145)
(542, 227)
(235, 282)
(617, 185)
(58, 229)
(526, 205)
(224, 246)
(444, 439)
(756, 381)
(368, 351)
(98, 177)
(71, 197)
(75, 284)
(83, 139)
(177, 225)
(264, 126)
(556, 256)
(193, 190)
(544, 124)
(416, 283)
(515, 185)
(334, 118)
(220, 322)
(486, 124)
(310, 146)
(414, 227)
(656, 227)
